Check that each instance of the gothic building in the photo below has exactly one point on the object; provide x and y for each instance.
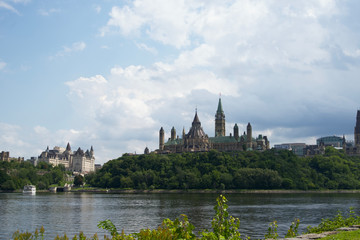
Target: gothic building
(77, 161)
(196, 140)
(355, 148)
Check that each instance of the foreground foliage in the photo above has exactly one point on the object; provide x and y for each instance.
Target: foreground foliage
(344, 236)
(224, 226)
(272, 169)
(336, 222)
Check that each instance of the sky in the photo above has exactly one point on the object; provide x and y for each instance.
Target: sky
(110, 74)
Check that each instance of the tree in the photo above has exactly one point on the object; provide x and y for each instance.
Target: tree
(8, 185)
(78, 180)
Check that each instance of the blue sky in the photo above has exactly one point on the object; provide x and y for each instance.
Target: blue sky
(111, 73)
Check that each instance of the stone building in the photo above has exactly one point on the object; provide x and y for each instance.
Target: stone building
(5, 156)
(77, 161)
(355, 148)
(296, 148)
(196, 140)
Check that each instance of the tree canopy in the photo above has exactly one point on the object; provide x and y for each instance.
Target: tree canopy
(272, 169)
(14, 175)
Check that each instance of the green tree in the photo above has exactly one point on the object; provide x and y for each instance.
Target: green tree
(8, 185)
(78, 180)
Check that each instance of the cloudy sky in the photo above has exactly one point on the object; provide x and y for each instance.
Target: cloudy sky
(111, 73)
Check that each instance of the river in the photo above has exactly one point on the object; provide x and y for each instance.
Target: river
(70, 213)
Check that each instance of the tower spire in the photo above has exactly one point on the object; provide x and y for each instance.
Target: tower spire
(219, 120)
(68, 148)
(357, 129)
(196, 120)
(161, 139)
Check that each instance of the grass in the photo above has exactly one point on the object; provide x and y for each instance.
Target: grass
(346, 235)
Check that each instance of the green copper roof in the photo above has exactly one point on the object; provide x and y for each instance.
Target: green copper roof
(220, 109)
(174, 142)
(222, 139)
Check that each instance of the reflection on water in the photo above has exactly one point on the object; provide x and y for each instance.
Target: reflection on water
(75, 212)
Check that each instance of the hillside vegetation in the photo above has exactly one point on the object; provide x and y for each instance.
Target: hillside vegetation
(14, 175)
(272, 169)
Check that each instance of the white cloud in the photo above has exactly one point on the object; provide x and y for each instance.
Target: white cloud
(4, 4)
(124, 19)
(2, 65)
(354, 53)
(48, 12)
(97, 8)
(274, 61)
(41, 130)
(143, 46)
(78, 46)
(7, 6)
(75, 47)
(20, 141)
(21, 1)
(10, 135)
(276, 64)
(24, 67)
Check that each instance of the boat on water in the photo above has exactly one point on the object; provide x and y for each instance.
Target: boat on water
(31, 189)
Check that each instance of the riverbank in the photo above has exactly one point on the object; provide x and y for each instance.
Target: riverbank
(157, 191)
(177, 191)
(333, 234)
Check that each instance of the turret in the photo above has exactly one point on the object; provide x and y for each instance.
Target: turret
(173, 133)
(267, 143)
(357, 129)
(236, 131)
(249, 135)
(92, 151)
(68, 148)
(146, 151)
(161, 139)
(219, 121)
(183, 135)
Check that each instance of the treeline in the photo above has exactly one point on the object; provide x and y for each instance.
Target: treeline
(272, 169)
(14, 175)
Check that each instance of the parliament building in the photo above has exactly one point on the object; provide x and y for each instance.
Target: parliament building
(196, 140)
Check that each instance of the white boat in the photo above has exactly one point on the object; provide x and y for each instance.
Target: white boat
(31, 189)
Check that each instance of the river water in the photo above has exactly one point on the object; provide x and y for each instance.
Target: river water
(71, 213)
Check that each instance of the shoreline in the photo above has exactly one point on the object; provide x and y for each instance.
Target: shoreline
(195, 191)
(159, 191)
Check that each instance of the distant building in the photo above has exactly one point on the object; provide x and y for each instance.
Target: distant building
(33, 161)
(5, 156)
(355, 148)
(146, 151)
(78, 161)
(98, 167)
(312, 150)
(334, 141)
(196, 140)
(296, 148)
(349, 147)
(18, 159)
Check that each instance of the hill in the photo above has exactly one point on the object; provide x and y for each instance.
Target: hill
(271, 169)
